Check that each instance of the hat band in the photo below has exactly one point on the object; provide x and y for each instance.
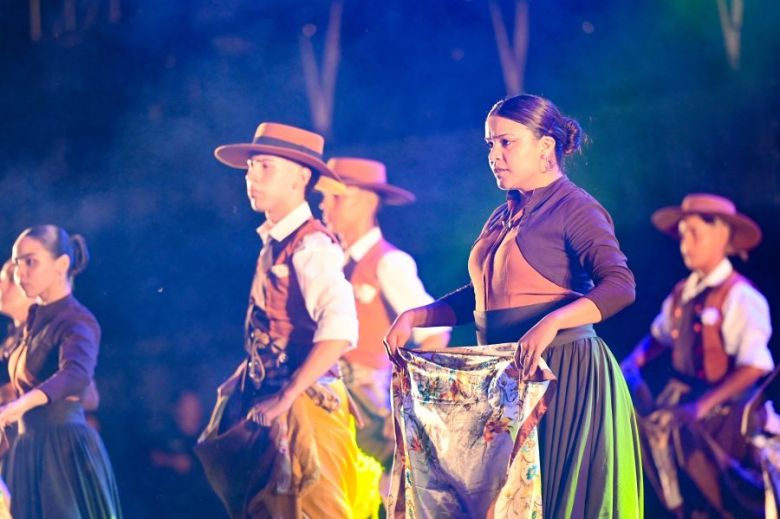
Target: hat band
(714, 211)
(280, 143)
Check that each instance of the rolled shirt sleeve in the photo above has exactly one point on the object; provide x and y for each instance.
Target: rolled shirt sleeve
(403, 289)
(747, 328)
(326, 292)
(661, 328)
(78, 351)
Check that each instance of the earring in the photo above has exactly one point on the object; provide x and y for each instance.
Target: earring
(545, 164)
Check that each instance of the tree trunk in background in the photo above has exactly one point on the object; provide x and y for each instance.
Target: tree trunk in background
(731, 25)
(512, 55)
(321, 84)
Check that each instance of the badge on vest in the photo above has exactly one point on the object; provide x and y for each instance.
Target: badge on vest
(365, 293)
(710, 316)
(280, 271)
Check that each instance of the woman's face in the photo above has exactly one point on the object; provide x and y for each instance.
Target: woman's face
(13, 302)
(36, 269)
(515, 153)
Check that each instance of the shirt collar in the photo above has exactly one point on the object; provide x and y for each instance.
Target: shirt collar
(694, 285)
(531, 199)
(286, 226)
(49, 309)
(360, 248)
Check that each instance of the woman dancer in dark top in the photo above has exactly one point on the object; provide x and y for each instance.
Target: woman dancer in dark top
(545, 267)
(57, 466)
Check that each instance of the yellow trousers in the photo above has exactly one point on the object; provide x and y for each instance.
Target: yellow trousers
(330, 476)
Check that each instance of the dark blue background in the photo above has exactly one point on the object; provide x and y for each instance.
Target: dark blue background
(108, 130)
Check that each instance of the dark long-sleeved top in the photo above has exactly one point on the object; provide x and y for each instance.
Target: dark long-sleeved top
(565, 235)
(58, 351)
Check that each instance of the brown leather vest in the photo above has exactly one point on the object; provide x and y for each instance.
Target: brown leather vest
(374, 315)
(279, 336)
(696, 330)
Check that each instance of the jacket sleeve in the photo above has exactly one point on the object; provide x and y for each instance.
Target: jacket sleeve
(78, 350)
(591, 237)
(462, 302)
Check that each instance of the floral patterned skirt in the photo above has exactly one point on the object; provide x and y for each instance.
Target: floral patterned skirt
(473, 440)
(466, 440)
(588, 438)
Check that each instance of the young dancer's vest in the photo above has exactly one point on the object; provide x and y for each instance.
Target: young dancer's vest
(279, 336)
(696, 330)
(375, 315)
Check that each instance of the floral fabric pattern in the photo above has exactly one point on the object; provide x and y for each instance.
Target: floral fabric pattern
(466, 440)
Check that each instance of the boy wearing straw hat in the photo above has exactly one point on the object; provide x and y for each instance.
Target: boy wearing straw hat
(385, 283)
(281, 442)
(717, 326)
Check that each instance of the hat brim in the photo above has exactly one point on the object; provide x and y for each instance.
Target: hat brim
(389, 194)
(236, 156)
(745, 233)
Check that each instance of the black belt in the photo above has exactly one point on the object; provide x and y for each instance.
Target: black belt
(509, 324)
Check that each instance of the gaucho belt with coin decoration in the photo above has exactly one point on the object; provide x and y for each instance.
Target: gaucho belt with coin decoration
(268, 359)
(270, 364)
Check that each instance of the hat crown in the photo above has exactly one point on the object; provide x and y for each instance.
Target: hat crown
(745, 233)
(708, 204)
(351, 169)
(289, 142)
(277, 134)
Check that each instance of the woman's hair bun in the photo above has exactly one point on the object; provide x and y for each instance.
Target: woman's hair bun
(573, 139)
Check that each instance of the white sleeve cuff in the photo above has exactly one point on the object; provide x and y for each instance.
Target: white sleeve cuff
(661, 327)
(326, 292)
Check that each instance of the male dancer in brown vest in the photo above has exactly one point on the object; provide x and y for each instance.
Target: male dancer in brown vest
(281, 442)
(385, 283)
(717, 327)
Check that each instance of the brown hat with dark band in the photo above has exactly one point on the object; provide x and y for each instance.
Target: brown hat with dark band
(370, 175)
(745, 233)
(289, 142)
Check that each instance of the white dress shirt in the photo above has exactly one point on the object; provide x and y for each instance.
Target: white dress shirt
(318, 267)
(745, 328)
(398, 280)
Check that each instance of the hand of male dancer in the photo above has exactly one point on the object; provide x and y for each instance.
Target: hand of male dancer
(265, 412)
(323, 355)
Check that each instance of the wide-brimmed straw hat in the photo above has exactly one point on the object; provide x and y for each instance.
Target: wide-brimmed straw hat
(285, 141)
(745, 233)
(370, 175)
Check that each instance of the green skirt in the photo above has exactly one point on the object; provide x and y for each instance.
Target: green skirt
(588, 439)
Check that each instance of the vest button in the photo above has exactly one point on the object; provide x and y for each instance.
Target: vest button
(697, 327)
(675, 334)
